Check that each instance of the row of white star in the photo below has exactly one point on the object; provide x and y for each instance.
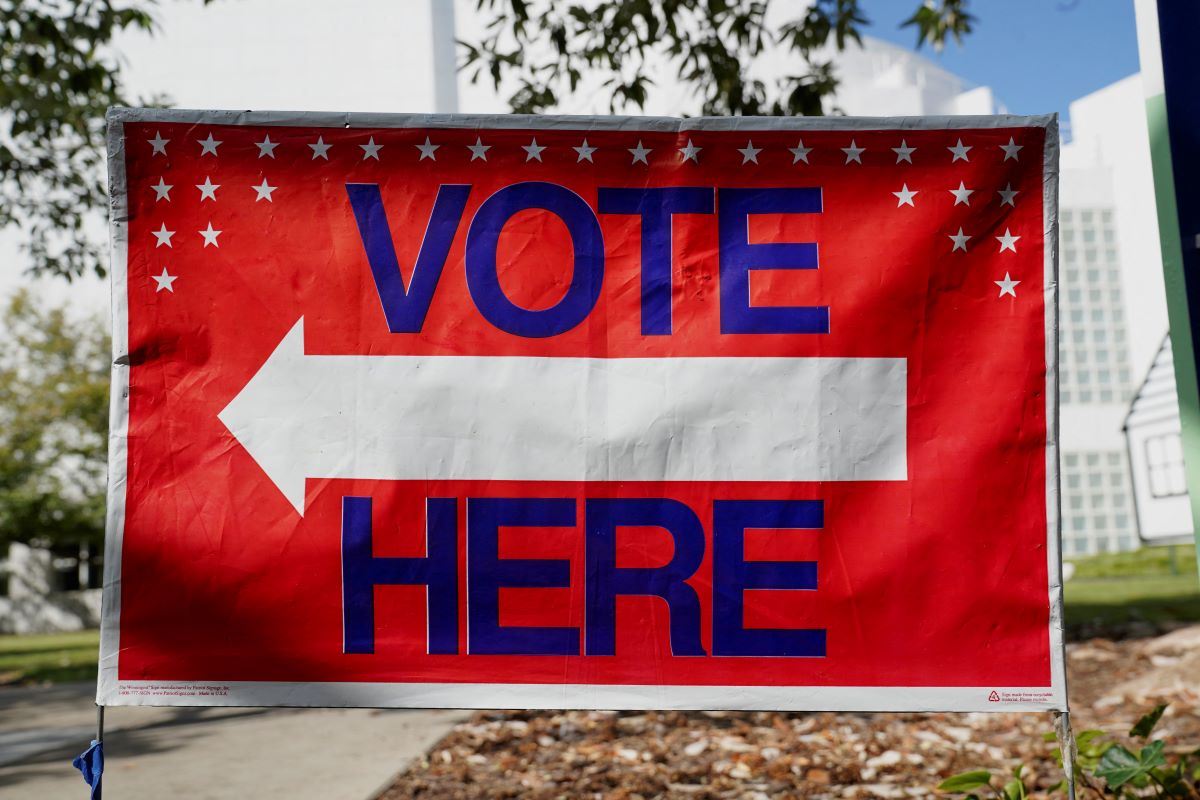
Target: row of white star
(962, 195)
(1007, 241)
(163, 236)
(641, 154)
(167, 281)
(208, 190)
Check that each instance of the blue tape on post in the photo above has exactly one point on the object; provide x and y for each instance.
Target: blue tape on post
(90, 764)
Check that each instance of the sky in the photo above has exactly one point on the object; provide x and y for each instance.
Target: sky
(1038, 55)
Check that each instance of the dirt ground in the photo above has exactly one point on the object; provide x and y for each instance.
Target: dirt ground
(756, 756)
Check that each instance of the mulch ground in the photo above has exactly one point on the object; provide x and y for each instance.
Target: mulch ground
(755, 756)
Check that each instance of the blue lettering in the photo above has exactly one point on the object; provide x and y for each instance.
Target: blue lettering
(487, 572)
(739, 257)
(656, 207)
(483, 282)
(362, 572)
(405, 310)
(605, 580)
(733, 574)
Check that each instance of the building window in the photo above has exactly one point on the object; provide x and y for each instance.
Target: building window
(1164, 462)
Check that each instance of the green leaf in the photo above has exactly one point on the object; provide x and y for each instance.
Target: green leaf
(1146, 724)
(966, 781)
(1013, 790)
(1119, 766)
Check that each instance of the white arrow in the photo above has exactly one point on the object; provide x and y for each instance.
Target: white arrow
(570, 419)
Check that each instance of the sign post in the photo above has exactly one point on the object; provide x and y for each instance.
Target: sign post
(547, 412)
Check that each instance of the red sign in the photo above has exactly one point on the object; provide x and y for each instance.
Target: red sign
(583, 412)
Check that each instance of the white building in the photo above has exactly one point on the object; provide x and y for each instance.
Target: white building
(1114, 314)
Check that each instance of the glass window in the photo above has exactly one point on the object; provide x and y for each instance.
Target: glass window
(1075, 502)
(1100, 522)
(1100, 336)
(1089, 255)
(1079, 337)
(1103, 376)
(1113, 459)
(1102, 544)
(1164, 463)
(1085, 395)
(1106, 217)
(1073, 481)
(1124, 543)
(1074, 296)
(1097, 315)
(1086, 217)
(1093, 276)
(1118, 500)
(1101, 354)
(1095, 480)
(1065, 395)
(1076, 315)
(1106, 396)
(1121, 521)
(1084, 376)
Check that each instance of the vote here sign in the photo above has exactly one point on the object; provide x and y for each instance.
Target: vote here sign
(583, 412)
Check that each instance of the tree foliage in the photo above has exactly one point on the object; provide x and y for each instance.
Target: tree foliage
(58, 75)
(53, 424)
(546, 49)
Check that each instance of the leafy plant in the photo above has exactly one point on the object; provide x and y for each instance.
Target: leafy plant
(544, 50)
(1103, 768)
(53, 424)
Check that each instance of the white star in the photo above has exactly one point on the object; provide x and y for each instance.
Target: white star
(162, 190)
(158, 143)
(208, 189)
(960, 240)
(749, 152)
(320, 149)
(164, 281)
(853, 152)
(690, 152)
(904, 197)
(208, 145)
(533, 150)
(800, 152)
(210, 236)
(266, 147)
(962, 195)
(1007, 286)
(478, 150)
(371, 150)
(903, 152)
(1011, 149)
(960, 152)
(428, 150)
(585, 152)
(164, 236)
(640, 153)
(264, 191)
(1007, 241)
(1007, 195)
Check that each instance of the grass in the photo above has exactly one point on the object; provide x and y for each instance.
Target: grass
(1139, 563)
(49, 658)
(1110, 592)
